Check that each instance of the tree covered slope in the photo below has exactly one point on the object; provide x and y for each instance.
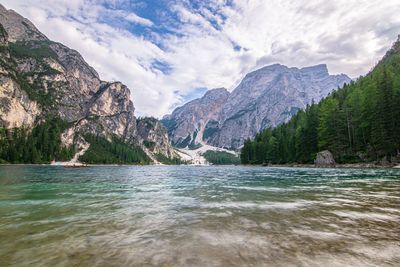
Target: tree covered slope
(358, 123)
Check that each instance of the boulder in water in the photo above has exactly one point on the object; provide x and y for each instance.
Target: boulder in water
(324, 159)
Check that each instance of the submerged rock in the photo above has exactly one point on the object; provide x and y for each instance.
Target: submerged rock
(324, 159)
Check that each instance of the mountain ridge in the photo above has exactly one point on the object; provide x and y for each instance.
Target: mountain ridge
(186, 123)
(265, 97)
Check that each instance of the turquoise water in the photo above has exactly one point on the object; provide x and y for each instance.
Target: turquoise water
(198, 216)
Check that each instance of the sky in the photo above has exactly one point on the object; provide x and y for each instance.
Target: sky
(171, 51)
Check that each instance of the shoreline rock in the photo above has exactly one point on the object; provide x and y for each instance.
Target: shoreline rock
(324, 159)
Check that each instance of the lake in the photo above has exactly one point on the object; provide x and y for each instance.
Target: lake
(198, 216)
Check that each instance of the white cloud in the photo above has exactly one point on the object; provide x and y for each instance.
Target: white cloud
(128, 16)
(135, 18)
(216, 44)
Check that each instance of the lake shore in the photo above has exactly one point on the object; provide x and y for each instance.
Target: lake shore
(337, 166)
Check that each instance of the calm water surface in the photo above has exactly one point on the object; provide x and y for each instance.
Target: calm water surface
(198, 216)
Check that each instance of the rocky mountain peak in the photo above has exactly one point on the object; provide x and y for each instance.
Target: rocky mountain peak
(268, 97)
(41, 79)
(270, 69)
(215, 94)
(318, 70)
(18, 27)
(186, 123)
(264, 98)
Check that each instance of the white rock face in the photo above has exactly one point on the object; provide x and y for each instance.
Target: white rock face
(67, 137)
(186, 123)
(265, 98)
(16, 109)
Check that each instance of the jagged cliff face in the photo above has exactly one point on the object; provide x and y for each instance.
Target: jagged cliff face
(186, 124)
(40, 78)
(265, 98)
(16, 108)
(156, 137)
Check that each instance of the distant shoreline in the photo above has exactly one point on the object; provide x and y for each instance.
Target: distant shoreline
(89, 165)
(311, 166)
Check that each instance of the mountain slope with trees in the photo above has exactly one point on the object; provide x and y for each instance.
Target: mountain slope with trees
(358, 123)
(53, 104)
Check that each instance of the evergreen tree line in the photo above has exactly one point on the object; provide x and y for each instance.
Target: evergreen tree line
(116, 151)
(221, 158)
(169, 161)
(41, 144)
(357, 123)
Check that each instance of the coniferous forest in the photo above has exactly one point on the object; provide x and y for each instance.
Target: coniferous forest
(116, 151)
(221, 158)
(41, 144)
(357, 123)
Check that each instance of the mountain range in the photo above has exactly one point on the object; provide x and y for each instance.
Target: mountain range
(47, 89)
(265, 98)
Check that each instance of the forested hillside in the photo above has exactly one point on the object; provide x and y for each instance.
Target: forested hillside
(221, 158)
(114, 151)
(42, 144)
(357, 123)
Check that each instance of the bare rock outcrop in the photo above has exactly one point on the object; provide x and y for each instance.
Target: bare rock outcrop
(154, 137)
(187, 123)
(324, 159)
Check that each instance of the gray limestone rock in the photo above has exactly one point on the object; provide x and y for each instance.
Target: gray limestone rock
(155, 137)
(324, 159)
(268, 97)
(265, 98)
(187, 123)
